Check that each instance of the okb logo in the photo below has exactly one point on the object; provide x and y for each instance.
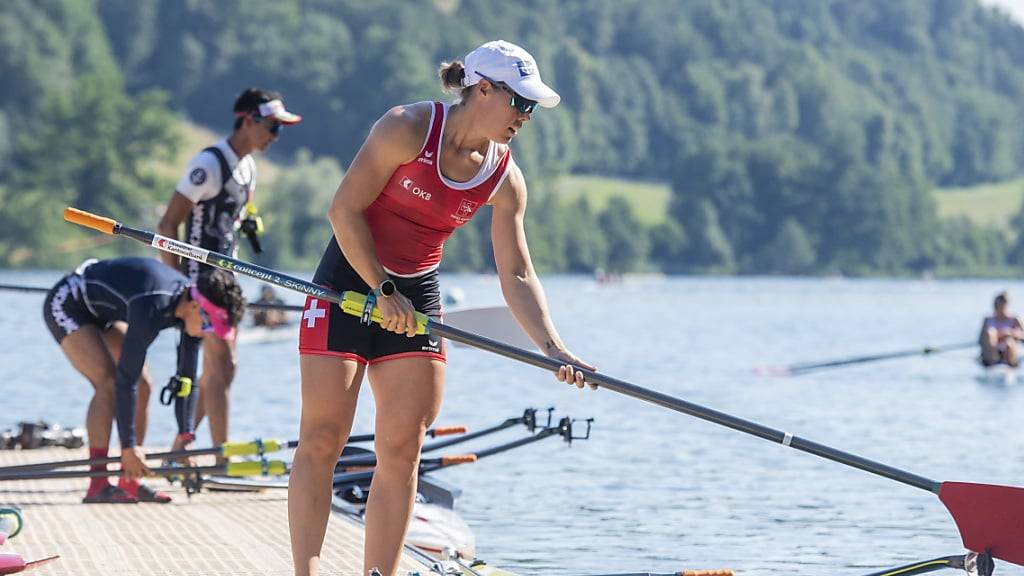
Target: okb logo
(411, 186)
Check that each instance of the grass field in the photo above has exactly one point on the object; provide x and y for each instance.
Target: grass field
(989, 204)
(649, 199)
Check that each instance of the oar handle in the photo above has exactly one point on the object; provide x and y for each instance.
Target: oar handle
(256, 447)
(447, 431)
(457, 459)
(354, 303)
(90, 220)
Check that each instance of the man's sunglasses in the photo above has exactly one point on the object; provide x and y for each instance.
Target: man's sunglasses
(271, 126)
(520, 103)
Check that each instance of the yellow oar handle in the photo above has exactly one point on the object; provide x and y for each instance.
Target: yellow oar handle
(254, 448)
(256, 468)
(90, 220)
(459, 459)
(723, 572)
(354, 302)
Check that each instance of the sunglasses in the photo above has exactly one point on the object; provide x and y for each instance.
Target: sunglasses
(520, 103)
(271, 126)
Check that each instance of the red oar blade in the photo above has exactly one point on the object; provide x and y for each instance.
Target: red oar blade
(989, 517)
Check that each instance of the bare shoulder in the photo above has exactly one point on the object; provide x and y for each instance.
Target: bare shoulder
(403, 128)
(512, 193)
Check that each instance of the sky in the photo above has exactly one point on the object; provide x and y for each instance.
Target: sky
(1014, 7)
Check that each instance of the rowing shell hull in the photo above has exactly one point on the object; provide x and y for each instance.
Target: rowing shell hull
(1000, 375)
(432, 529)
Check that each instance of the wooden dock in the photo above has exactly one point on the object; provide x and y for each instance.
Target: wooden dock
(213, 533)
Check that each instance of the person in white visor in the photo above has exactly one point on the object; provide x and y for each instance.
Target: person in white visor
(424, 170)
(215, 199)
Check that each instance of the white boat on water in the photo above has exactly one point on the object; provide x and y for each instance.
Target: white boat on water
(1000, 375)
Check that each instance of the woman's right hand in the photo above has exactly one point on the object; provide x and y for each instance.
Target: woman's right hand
(398, 314)
(133, 463)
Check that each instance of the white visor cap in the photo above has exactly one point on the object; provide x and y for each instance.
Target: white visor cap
(505, 62)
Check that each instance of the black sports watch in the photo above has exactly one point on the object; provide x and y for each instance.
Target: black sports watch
(386, 288)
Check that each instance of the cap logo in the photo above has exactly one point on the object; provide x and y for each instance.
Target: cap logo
(525, 68)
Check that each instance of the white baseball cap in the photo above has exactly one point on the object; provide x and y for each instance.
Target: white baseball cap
(505, 62)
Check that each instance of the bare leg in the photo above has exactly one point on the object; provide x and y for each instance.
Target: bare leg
(330, 388)
(407, 393)
(219, 364)
(113, 337)
(1012, 352)
(89, 355)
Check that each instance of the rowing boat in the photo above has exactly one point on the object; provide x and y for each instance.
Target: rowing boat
(999, 375)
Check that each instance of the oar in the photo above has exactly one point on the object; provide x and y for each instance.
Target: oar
(990, 518)
(12, 563)
(19, 288)
(973, 564)
(563, 429)
(249, 468)
(257, 447)
(494, 322)
(805, 367)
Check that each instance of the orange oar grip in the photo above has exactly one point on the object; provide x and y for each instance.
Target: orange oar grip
(460, 459)
(89, 220)
(449, 430)
(723, 572)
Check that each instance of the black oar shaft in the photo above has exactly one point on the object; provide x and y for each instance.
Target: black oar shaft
(250, 305)
(438, 445)
(620, 386)
(923, 567)
(19, 288)
(696, 410)
(58, 474)
(810, 366)
(20, 468)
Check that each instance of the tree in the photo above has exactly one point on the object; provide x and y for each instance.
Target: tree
(626, 237)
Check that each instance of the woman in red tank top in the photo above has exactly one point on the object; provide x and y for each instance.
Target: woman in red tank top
(422, 172)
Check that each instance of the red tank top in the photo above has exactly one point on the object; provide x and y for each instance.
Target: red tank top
(417, 209)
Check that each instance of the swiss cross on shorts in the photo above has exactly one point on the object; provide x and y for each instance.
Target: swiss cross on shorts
(313, 326)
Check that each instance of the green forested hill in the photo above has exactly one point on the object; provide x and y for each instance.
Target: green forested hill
(797, 136)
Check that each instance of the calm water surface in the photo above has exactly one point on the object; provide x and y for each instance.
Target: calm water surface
(653, 489)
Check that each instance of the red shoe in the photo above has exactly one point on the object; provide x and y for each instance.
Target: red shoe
(147, 494)
(110, 495)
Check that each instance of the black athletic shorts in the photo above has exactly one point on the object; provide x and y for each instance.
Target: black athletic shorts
(64, 308)
(326, 330)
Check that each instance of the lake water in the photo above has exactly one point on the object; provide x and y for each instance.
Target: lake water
(653, 489)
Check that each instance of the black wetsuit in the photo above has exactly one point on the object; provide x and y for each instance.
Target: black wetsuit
(142, 292)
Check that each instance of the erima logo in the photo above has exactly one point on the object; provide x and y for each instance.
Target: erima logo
(411, 186)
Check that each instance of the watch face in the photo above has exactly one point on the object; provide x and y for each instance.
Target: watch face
(387, 287)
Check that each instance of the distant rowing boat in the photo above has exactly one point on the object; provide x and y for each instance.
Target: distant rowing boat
(1000, 375)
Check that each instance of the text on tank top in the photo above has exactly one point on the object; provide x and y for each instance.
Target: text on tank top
(418, 209)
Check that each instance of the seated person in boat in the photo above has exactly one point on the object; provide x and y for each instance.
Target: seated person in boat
(269, 317)
(1000, 334)
(105, 314)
